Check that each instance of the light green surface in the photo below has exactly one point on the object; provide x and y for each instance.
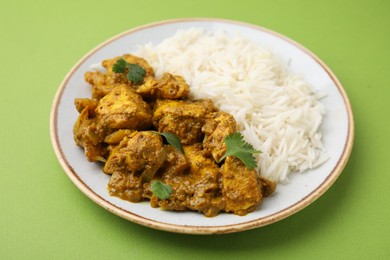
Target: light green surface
(44, 216)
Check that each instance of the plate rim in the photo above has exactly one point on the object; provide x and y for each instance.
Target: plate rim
(191, 229)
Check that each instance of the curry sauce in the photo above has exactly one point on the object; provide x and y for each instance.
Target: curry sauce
(118, 126)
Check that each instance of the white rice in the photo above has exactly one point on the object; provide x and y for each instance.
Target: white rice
(277, 112)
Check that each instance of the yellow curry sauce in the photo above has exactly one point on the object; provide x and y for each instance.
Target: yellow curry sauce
(118, 125)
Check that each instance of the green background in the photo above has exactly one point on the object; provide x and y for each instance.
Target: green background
(44, 216)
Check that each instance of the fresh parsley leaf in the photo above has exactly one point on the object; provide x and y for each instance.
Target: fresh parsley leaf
(119, 66)
(135, 73)
(160, 189)
(173, 140)
(236, 146)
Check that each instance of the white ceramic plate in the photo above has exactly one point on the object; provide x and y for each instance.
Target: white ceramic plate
(303, 189)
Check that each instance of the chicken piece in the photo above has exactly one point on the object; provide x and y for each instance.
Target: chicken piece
(86, 135)
(112, 78)
(148, 88)
(122, 108)
(183, 118)
(205, 175)
(241, 189)
(126, 186)
(169, 86)
(98, 92)
(217, 126)
(176, 162)
(132, 163)
(98, 82)
(141, 154)
(95, 78)
(172, 87)
(196, 189)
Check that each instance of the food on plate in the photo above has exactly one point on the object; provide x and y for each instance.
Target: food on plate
(174, 126)
(160, 145)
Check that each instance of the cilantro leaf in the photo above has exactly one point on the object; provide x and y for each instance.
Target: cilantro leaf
(173, 140)
(119, 66)
(136, 73)
(161, 190)
(236, 146)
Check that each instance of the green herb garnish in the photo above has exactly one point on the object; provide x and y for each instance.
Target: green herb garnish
(119, 66)
(236, 146)
(135, 73)
(160, 189)
(173, 140)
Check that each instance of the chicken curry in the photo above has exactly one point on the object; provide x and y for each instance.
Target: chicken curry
(119, 126)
